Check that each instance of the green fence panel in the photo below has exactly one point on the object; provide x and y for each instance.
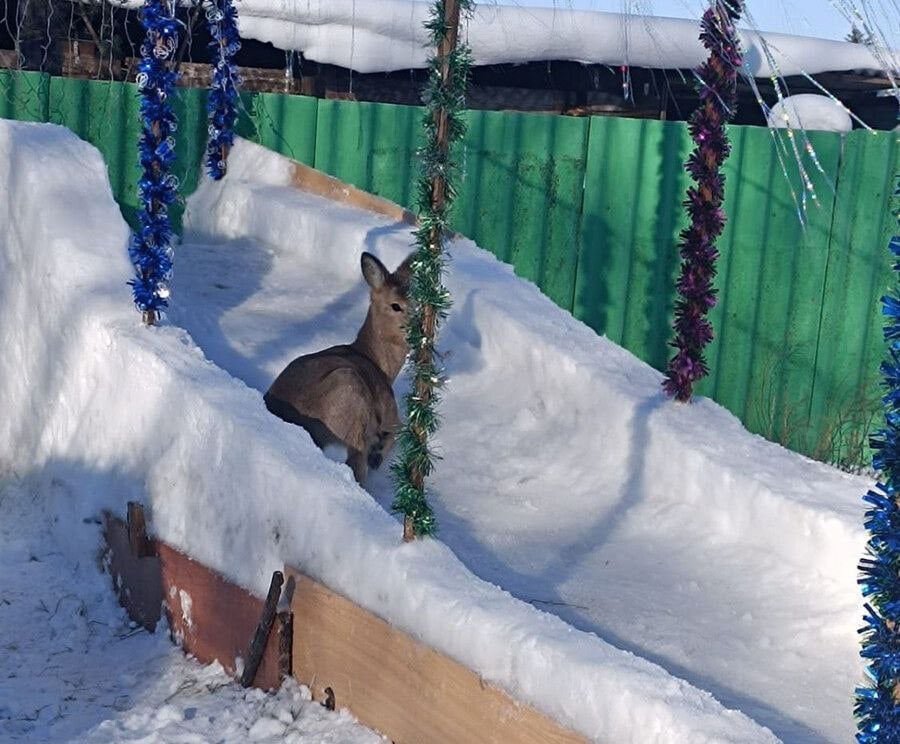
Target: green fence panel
(770, 282)
(370, 145)
(189, 105)
(846, 388)
(285, 124)
(522, 192)
(627, 251)
(106, 115)
(520, 195)
(24, 95)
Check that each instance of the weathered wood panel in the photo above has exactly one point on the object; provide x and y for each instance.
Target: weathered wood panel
(398, 686)
(208, 616)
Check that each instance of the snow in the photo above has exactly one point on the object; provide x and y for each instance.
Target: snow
(810, 111)
(75, 670)
(701, 580)
(388, 35)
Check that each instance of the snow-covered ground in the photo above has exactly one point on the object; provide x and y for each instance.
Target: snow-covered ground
(75, 670)
(707, 577)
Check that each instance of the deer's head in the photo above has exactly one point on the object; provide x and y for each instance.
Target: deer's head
(384, 332)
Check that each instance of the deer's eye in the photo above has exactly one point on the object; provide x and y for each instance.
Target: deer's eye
(396, 307)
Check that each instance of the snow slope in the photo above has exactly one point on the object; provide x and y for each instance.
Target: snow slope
(99, 410)
(567, 479)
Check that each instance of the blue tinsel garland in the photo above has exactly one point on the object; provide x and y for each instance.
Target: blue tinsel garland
(878, 706)
(223, 96)
(151, 246)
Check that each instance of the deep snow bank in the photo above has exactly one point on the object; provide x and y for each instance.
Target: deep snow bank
(107, 410)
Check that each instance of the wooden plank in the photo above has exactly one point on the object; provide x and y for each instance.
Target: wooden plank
(209, 616)
(213, 619)
(316, 182)
(398, 686)
(137, 580)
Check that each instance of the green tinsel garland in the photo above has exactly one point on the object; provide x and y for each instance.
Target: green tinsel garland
(444, 98)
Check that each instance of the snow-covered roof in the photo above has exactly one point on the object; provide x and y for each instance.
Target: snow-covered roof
(384, 35)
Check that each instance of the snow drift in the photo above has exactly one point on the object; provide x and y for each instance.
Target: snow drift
(567, 479)
(107, 410)
(810, 111)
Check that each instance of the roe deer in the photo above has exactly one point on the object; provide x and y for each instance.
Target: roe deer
(343, 395)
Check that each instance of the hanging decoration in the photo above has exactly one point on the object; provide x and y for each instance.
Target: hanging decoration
(151, 246)
(222, 105)
(717, 85)
(444, 99)
(878, 705)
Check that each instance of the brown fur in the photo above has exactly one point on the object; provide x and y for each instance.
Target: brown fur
(344, 395)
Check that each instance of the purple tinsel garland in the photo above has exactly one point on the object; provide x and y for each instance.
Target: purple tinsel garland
(717, 88)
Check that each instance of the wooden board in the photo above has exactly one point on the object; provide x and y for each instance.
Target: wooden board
(398, 686)
(137, 580)
(212, 618)
(209, 616)
(316, 182)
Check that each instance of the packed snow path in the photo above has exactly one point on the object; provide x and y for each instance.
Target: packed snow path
(75, 669)
(567, 478)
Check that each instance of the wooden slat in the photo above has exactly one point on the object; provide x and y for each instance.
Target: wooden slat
(137, 579)
(316, 182)
(407, 691)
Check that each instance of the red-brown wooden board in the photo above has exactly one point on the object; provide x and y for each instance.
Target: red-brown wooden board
(209, 617)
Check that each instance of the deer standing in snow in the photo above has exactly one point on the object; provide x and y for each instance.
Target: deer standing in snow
(344, 395)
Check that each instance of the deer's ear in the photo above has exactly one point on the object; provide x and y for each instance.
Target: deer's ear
(373, 271)
(403, 274)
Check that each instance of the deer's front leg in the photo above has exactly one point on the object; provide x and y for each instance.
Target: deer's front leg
(358, 464)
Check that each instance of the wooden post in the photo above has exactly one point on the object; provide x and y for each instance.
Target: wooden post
(137, 531)
(285, 621)
(258, 644)
(435, 238)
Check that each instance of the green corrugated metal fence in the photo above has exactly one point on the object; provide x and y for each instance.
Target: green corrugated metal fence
(590, 209)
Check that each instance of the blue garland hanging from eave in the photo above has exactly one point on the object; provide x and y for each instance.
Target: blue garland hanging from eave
(151, 246)
(223, 96)
(877, 706)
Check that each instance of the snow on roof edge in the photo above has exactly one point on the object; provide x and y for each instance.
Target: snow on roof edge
(388, 35)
